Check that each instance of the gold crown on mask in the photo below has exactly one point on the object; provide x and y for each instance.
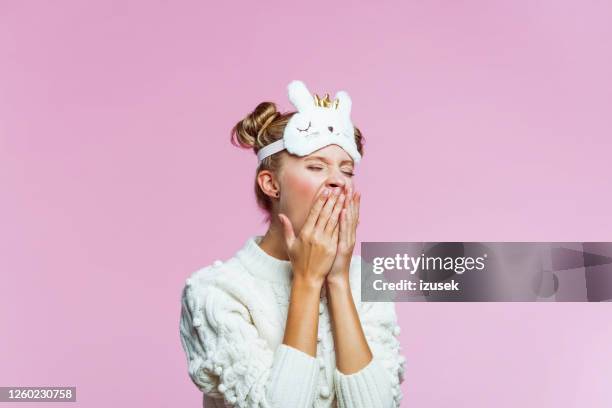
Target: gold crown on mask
(326, 102)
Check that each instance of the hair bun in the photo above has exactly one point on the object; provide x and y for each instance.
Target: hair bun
(248, 132)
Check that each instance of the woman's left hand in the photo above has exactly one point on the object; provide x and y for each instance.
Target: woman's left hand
(349, 219)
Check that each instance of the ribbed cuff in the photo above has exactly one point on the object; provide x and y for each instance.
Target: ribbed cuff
(293, 378)
(367, 388)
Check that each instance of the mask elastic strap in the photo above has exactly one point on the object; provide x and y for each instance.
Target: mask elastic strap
(270, 149)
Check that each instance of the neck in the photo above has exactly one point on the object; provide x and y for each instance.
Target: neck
(273, 242)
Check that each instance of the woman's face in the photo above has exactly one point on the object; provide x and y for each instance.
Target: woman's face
(302, 177)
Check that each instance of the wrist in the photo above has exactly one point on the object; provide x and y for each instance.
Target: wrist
(308, 283)
(338, 282)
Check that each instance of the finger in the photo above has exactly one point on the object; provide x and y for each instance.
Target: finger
(354, 218)
(343, 226)
(334, 217)
(348, 196)
(288, 233)
(349, 208)
(353, 227)
(326, 211)
(336, 233)
(351, 205)
(313, 215)
(358, 206)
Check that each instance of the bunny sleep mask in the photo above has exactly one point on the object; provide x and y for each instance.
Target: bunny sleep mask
(316, 124)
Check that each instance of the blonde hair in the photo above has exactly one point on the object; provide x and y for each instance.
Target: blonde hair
(260, 128)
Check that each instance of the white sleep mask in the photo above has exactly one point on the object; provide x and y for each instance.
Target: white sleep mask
(316, 124)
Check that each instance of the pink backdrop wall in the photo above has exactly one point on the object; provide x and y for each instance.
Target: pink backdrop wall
(484, 120)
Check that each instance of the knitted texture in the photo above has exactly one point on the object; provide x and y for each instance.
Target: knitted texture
(232, 321)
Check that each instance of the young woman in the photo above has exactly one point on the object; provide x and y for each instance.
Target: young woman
(281, 324)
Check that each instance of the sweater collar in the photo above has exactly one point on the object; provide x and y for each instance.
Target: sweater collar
(260, 264)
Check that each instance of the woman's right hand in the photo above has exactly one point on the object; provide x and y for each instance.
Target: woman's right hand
(313, 251)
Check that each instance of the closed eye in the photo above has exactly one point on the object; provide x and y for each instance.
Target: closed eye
(303, 130)
(348, 173)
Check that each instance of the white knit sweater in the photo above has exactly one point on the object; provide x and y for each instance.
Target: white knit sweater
(232, 324)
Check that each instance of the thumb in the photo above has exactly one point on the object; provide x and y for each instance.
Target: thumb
(287, 230)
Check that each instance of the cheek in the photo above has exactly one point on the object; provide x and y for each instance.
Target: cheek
(302, 189)
(303, 186)
(306, 188)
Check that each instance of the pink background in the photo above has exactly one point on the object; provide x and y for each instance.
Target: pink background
(484, 120)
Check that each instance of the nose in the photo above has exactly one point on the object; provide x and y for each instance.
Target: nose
(330, 128)
(336, 180)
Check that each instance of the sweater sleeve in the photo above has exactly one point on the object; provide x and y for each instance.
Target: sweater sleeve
(378, 383)
(228, 360)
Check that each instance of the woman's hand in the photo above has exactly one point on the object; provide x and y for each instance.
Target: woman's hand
(312, 252)
(349, 219)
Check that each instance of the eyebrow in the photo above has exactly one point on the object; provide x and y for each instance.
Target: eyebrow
(323, 159)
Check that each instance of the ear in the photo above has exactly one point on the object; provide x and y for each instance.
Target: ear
(299, 96)
(267, 182)
(344, 103)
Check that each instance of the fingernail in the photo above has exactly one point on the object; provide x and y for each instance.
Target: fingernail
(325, 192)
